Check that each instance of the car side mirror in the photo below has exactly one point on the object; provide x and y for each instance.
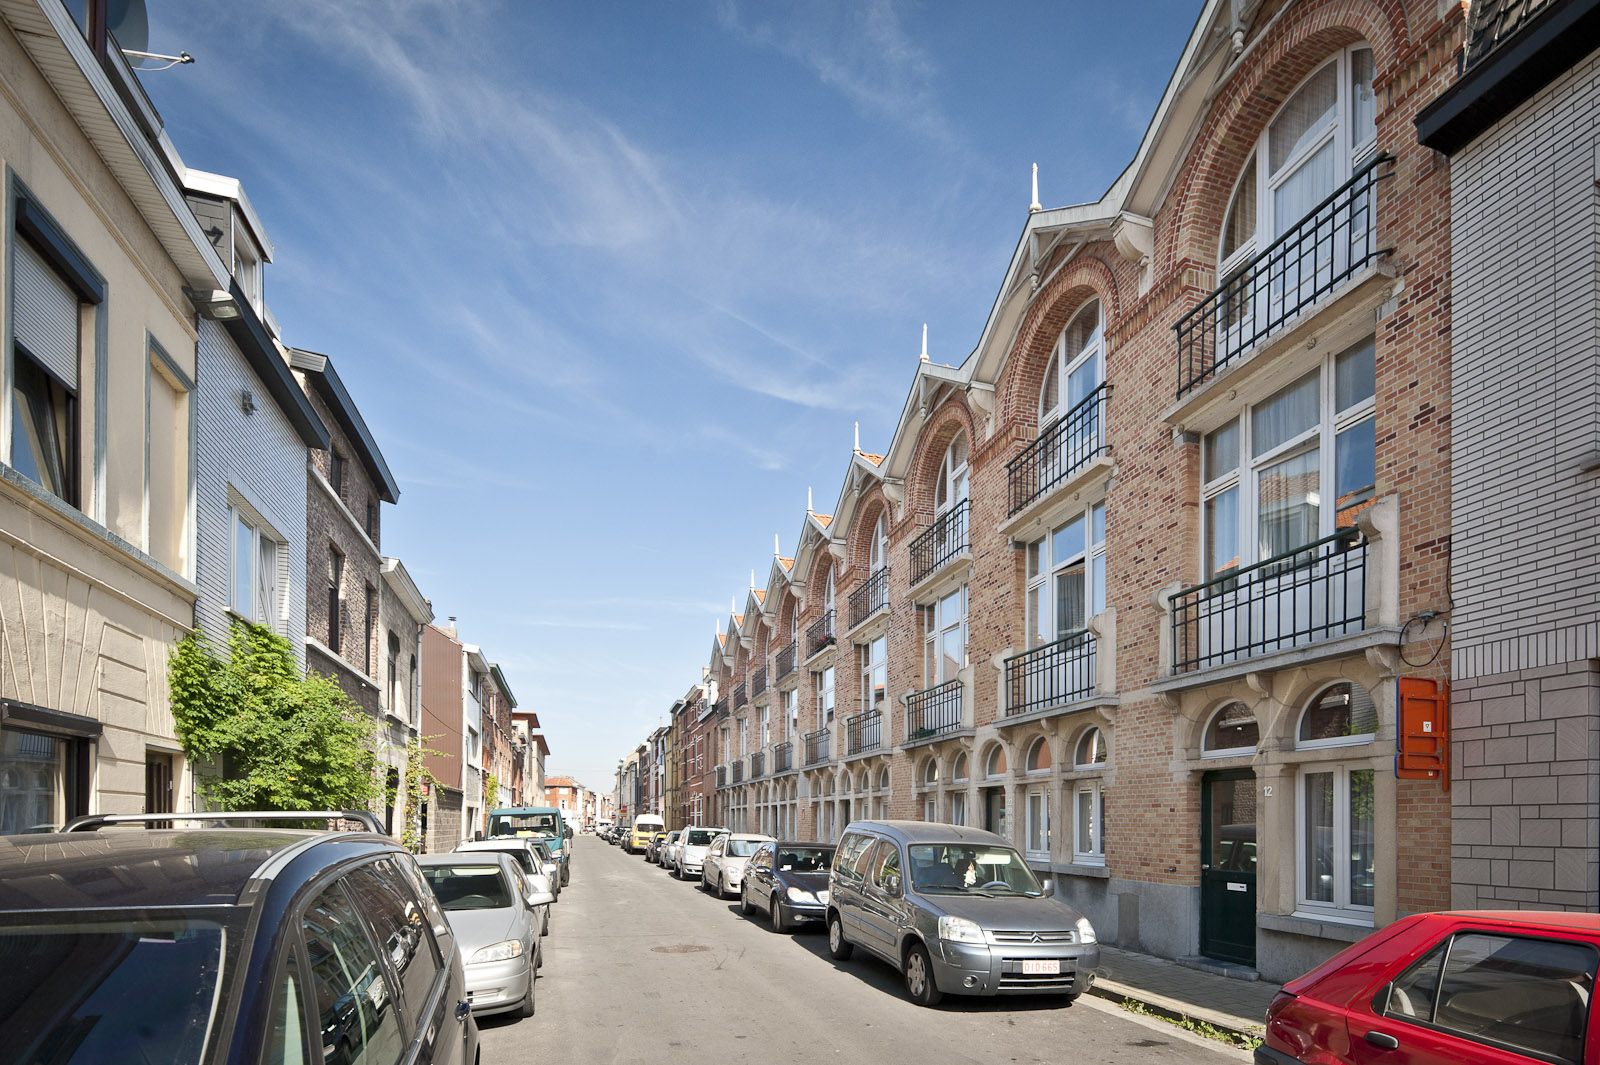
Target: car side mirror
(1048, 884)
(891, 884)
(477, 837)
(540, 898)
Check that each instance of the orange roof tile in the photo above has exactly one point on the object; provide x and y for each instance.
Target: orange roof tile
(722, 638)
(738, 619)
(761, 594)
(824, 520)
(876, 460)
(786, 563)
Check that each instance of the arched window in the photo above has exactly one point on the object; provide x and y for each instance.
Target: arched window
(883, 779)
(1039, 756)
(951, 489)
(930, 772)
(828, 599)
(880, 544)
(1233, 730)
(995, 764)
(1091, 750)
(959, 770)
(1077, 366)
(863, 783)
(1342, 714)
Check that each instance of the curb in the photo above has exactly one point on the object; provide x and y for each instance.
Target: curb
(1240, 1028)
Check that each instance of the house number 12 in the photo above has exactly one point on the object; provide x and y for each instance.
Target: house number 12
(1266, 789)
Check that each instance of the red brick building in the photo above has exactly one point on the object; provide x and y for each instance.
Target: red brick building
(1134, 583)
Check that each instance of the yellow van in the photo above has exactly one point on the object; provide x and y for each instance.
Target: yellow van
(644, 827)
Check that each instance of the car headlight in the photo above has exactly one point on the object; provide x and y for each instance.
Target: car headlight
(959, 930)
(801, 895)
(822, 897)
(504, 951)
(1085, 931)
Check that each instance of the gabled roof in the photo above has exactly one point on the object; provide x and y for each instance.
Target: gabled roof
(859, 476)
(813, 531)
(561, 782)
(320, 374)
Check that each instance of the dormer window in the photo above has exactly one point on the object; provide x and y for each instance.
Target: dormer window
(1077, 366)
(246, 266)
(951, 489)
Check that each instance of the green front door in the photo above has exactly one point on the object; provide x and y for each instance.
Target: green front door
(1228, 866)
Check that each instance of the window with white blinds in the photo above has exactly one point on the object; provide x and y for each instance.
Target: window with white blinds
(45, 314)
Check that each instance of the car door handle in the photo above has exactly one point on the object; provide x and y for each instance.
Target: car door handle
(462, 1009)
(1383, 1040)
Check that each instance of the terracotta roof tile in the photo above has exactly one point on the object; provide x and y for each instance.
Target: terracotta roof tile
(876, 460)
(824, 520)
(786, 563)
(761, 594)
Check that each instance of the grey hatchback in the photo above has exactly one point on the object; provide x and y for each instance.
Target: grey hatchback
(956, 910)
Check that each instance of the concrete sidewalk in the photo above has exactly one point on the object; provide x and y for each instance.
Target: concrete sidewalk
(1225, 1003)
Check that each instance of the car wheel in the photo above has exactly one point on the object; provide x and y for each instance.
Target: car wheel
(838, 946)
(776, 914)
(744, 902)
(566, 876)
(526, 1008)
(919, 977)
(677, 872)
(544, 925)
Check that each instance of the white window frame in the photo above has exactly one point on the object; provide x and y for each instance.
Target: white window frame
(1341, 908)
(1036, 822)
(791, 714)
(267, 592)
(1207, 751)
(825, 700)
(880, 545)
(874, 672)
(955, 477)
(1065, 362)
(930, 808)
(958, 807)
(1093, 850)
(1027, 756)
(764, 726)
(1244, 477)
(1358, 740)
(934, 631)
(830, 602)
(1043, 570)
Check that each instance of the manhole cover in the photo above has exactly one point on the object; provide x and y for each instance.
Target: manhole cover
(680, 948)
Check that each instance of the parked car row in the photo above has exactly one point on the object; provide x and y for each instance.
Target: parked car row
(955, 910)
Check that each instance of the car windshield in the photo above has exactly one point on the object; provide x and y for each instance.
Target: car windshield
(522, 824)
(962, 868)
(742, 848)
(805, 859)
(700, 837)
(469, 887)
(119, 991)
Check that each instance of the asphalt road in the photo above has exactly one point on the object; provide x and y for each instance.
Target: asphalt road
(640, 967)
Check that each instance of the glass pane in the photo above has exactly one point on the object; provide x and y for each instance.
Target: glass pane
(1355, 377)
(1222, 532)
(1355, 471)
(1087, 842)
(32, 781)
(267, 582)
(1083, 331)
(1091, 749)
(958, 808)
(1300, 194)
(1070, 616)
(1341, 711)
(39, 421)
(1363, 102)
(1051, 398)
(357, 1012)
(1067, 542)
(1289, 507)
(1317, 837)
(1220, 452)
(1308, 112)
(1233, 824)
(1097, 525)
(950, 610)
(1082, 381)
(1097, 587)
(1240, 228)
(1038, 823)
(1532, 994)
(401, 926)
(1035, 558)
(1361, 828)
(244, 557)
(1412, 995)
(1285, 416)
(1233, 727)
(952, 658)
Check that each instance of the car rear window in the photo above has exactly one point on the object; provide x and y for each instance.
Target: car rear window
(742, 848)
(468, 887)
(700, 838)
(76, 993)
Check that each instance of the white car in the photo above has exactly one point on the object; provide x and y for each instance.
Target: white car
(691, 851)
(723, 869)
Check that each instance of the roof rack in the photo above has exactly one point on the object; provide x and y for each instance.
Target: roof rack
(93, 822)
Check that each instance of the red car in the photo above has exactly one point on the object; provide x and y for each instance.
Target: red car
(1510, 987)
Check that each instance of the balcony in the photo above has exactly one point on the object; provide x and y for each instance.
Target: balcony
(819, 635)
(758, 682)
(720, 708)
(863, 734)
(739, 697)
(722, 776)
(939, 543)
(1062, 450)
(738, 771)
(1058, 672)
(758, 765)
(786, 660)
(933, 711)
(819, 746)
(782, 758)
(1309, 595)
(1328, 247)
(871, 597)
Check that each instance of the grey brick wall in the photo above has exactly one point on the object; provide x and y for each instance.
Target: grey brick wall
(1525, 568)
(263, 459)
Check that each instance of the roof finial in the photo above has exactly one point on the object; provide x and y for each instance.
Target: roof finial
(752, 580)
(858, 438)
(733, 604)
(924, 341)
(808, 500)
(1034, 206)
(776, 553)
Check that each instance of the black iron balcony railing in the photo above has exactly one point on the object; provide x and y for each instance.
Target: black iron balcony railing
(738, 771)
(1054, 673)
(934, 711)
(758, 765)
(1324, 248)
(863, 733)
(940, 542)
(758, 682)
(739, 697)
(721, 707)
(871, 597)
(1061, 450)
(819, 634)
(783, 757)
(722, 776)
(786, 660)
(1300, 597)
(817, 747)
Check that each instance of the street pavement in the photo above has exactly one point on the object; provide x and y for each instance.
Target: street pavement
(640, 967)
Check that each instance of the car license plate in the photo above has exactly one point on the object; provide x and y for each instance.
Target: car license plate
(1041, 967)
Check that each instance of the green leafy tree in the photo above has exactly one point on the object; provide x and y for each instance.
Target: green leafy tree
(418, 776)
(274, 738)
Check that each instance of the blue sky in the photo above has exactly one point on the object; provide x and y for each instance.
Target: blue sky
(592, 271)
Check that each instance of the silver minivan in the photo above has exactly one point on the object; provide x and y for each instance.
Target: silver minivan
(957, 911)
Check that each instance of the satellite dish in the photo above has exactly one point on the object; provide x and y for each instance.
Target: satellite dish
(129, 23)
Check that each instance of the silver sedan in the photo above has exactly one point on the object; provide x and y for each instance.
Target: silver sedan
(493, 913)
